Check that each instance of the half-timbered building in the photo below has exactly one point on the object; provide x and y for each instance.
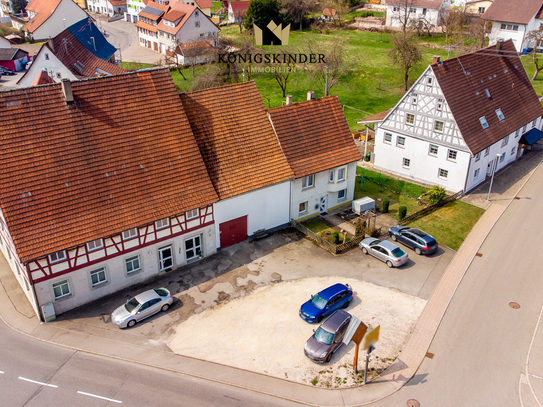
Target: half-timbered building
(462, 119)
(100, 188)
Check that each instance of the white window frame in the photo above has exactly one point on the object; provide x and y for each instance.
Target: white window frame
(130, 261)
(517, 133)
(452, 154)
(505, 141)
(500, 115)
(130, 233)
(341, 177)
(513, 150)
(533, 123)
(502, 158)
(476, 173)
(477, 156)
(436, 125)
(305, 207)
(414, 101)
(487, 151)
(443, 174)
(524, 128)
(101, 275)
(57, 257)
(331, 176)
(192, 214)
(398, 144)
(429, 82)
(309, 181)
(385, 138)
(95, 245)
(407, 116)
(196, 24)
(484, 122)
(61, 284)
(430, 150)
(406, 162)
(439, 106)
(162, 223)
(344, 194)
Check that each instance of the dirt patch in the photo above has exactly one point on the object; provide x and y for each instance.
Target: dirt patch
(262, 332)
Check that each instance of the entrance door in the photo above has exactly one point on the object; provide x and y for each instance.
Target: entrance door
(233, 231)
(489, 168)
(165, 258)
(323, 206)
(193, 247)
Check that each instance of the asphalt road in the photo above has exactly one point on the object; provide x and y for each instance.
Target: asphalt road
(481, 345)
(34, 373)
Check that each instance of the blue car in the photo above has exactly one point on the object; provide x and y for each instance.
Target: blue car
(326, 302)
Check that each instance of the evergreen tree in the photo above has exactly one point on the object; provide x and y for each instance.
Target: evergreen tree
(18, 6)
(261, 12)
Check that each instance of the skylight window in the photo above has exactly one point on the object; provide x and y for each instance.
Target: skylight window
(487, 93)
(500, 115)
(484, 123)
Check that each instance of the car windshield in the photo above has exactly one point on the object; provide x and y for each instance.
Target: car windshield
(131, 305)
(318, 301)
(161, 291)
(375, 242)
(397, 252)
(324, 336)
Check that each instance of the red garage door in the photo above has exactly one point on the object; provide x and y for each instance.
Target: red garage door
(233, 231)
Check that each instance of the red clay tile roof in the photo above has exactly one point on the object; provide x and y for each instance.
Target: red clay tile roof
(240, 6)
(314, 135)
(78, 59)
(44, 10)
(236, 138)
(158, 6)
(146, 26)
(510, 90)
(379, 117)
(204, 3)
(149, 15)
(117, 2)
(187, 9)
(193, 48)
(113, 160)
(517, 11)
(43, 78)
(174, 15)
(329, 12)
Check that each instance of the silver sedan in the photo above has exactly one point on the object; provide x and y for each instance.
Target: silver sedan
(384, 250)
(142, 306)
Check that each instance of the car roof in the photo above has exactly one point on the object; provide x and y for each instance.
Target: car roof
(422, 234)
(329, 292)
(388, 245)
(331, 323)
(146, 296)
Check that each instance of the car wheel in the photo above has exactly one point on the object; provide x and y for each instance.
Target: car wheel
(346, 304)
(131, 323)
(319, 319)
(364, 250)
(329, 357)
(165, 307)
(393, 237)
(389, 263)
(418, 251)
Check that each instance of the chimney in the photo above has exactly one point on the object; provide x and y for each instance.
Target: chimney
(289, 99)
(50, 44)
(310, 95)
(67, 90)
(436, 59)
(499, 45)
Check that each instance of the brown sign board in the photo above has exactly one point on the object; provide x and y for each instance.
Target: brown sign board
(359, 334)
(371, 337)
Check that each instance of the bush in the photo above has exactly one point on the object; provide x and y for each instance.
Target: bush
(335, 237)
(386, 204)
(402, 211)
(367, 157)
(375, 232)
(436, 194)
(358, 229)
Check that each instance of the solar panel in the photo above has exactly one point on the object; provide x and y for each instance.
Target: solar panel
(152, 10)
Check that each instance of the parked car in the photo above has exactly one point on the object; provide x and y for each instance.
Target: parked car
(384, 250)
(327, 339)
(142, 306)
(325, 302)
(6, 71)
(421, 242)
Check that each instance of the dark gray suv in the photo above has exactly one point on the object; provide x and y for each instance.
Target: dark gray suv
(328, 337)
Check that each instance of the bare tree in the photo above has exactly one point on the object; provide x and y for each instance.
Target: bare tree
(421, 25)
(282, 74)
(451, 21)
(402, 11)
(331, 63)
(247, 49)
(478, 30)
(209, 77)
(406, 54)
(535, 37)
(297, 9)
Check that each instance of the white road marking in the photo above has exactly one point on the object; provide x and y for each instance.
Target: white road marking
(100, 397)
(40, 383)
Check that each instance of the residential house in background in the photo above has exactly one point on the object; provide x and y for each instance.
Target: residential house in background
(4, 42)
(245, 162)
(194, 53)
(133, 8)
(5, 10)
(104, 195)
(81, 3)
(204, 5)
(477, 6)
(237, 10)
(81, 51)
(513, 20)
(461, 119)
(107, 7)
(329, 14)
(47, 18)
(318, 145)
(427, 10)
(13, 58)
(147, 23)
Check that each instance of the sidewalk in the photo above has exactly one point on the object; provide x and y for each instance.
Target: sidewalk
(17, 314)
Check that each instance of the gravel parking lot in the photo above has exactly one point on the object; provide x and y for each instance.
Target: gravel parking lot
(262, 332)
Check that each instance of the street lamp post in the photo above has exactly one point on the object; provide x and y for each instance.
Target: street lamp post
(64, 22)
(494, 164)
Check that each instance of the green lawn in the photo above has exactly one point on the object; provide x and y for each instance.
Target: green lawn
(315, 225)
(450, 224)
(216, 6)
(133, 66)
(395, 184)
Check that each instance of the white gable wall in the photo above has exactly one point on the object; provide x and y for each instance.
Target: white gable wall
(189, 32)
(54, 24)
(56, 69)
(4, 43)
(432, 15)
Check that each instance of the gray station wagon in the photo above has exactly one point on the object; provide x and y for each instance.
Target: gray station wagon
(328, 338)
(384, 250)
